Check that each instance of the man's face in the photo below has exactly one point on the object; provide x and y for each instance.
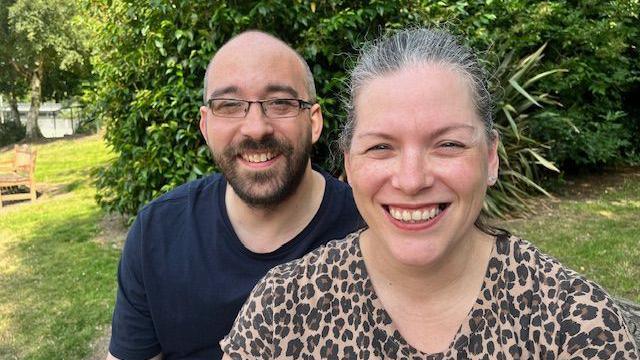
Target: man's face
(263, 159)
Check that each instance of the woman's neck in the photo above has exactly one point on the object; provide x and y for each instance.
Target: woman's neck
(428, 304)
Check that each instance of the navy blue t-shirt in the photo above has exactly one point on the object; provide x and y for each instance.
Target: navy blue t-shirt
(184, 274)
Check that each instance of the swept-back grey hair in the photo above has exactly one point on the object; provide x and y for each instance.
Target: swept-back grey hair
(308, 75)
(410, 47)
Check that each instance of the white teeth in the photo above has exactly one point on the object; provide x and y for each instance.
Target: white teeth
(255, 158)
(413, 216)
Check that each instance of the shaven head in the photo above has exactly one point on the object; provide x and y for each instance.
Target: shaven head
(257, 38)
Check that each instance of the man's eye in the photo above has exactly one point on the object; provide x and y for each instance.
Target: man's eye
(282, 104)
(228, 104)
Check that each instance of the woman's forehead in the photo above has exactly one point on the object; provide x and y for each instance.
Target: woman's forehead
(427, 95)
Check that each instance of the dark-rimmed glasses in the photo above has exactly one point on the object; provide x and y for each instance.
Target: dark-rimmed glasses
(272, 108)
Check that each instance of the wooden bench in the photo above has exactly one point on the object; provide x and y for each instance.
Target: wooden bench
(17, 172)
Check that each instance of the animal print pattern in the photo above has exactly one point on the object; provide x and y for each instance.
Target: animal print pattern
(529, 307)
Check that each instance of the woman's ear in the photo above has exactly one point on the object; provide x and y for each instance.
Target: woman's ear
(493, 160)
(347, 165)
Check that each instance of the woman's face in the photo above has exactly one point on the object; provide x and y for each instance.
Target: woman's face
(419, 162)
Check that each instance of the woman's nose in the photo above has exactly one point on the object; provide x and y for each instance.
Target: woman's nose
(412, 173)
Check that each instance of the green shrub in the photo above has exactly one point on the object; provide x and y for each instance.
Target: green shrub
(598, 42)
(11, 132)
(151, 57)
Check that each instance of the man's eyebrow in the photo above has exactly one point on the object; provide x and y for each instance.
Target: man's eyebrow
(224, 91)
(271, 88)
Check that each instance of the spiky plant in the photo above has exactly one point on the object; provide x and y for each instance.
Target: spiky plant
(518, 104)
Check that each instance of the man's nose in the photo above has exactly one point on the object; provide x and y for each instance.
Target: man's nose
(256, 125)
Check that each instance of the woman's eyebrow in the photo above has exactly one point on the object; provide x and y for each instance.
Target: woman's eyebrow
(436, 133)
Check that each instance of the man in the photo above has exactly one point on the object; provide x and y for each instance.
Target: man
(193, 255)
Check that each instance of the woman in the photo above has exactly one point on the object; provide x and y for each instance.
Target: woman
(426, 279)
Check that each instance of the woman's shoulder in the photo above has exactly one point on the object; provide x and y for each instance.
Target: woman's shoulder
(581, 309)
(561, 291)
(546, 269)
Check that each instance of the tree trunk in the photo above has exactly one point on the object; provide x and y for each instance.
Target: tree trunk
(33, 132)
(13, 104)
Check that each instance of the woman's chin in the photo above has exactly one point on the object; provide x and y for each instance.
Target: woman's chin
(415, 254)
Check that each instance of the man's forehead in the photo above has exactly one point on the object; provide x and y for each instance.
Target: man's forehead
(266, 90)
(263, 70)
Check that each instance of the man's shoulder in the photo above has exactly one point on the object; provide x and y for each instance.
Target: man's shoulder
(319, 262)
(332, 182)
(339, 197)
(182, 194)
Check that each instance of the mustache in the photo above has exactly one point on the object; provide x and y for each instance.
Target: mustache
(270, 144)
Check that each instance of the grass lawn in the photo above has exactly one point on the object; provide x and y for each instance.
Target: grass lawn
(57, 277)
(56, 284)
(594, 229)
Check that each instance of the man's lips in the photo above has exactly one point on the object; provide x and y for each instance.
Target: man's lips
(257, 157)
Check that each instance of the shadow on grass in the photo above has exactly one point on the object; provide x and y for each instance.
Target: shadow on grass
(62, 288)
(44, 140)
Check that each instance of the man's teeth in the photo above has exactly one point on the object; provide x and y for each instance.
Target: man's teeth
(414, 215)
(255, 158)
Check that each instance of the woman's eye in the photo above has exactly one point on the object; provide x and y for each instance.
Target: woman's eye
(379, 147)
(451, 144)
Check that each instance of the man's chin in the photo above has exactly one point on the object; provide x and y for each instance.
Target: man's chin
(263, 199)
(258, 189)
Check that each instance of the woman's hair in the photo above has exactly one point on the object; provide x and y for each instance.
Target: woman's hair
(407, 48)
(419, 46)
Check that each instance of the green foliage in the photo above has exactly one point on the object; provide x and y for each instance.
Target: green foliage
(151, 57)
(46, 30)
(43, 39)
(598, 42)
(11, 132)
(521, 156)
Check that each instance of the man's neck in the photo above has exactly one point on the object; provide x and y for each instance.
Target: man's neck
(264, 230)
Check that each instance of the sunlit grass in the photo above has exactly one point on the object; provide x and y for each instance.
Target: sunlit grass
(56, 285)
(598, 236)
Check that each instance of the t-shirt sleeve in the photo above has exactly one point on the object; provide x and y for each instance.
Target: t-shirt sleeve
(592, 326)
(251, 336)
(132, 331)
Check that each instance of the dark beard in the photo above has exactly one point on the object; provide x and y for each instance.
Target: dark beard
(282, 185)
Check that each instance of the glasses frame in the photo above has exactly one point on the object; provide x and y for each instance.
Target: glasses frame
(302, 105)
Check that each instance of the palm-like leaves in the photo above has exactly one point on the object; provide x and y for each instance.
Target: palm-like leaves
(521, 156)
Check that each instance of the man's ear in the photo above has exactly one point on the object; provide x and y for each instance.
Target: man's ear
(203, 123)
(317, 122)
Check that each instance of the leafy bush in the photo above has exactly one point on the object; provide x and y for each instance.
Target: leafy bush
(151, 58)
(598, 42)
(11, 132)
(518, 108)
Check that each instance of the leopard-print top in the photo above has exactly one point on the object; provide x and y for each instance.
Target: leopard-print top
(530, 307)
